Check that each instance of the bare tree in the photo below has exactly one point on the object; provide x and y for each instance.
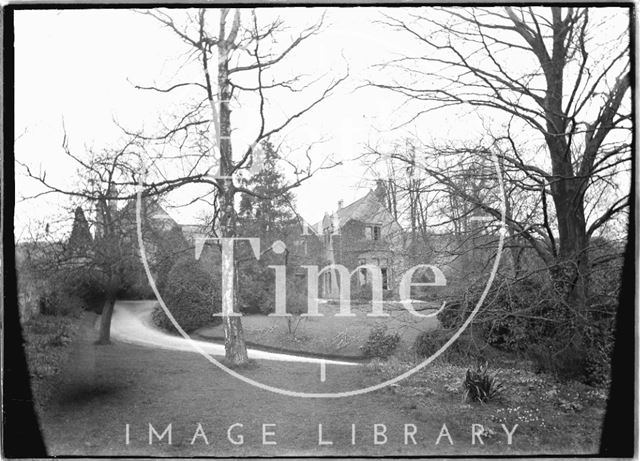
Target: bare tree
(407, 188)
(104, 183)
(194, 148)
(543, 69)
(235, 54)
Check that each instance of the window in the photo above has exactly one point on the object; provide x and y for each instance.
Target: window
(372, 232)
(376, 232)
(385, 284)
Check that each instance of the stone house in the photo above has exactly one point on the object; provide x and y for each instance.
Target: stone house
(362, 232)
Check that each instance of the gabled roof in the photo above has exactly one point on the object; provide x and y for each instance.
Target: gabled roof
(367, 209)
(151, 208)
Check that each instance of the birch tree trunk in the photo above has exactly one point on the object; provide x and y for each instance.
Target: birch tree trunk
(234, 343)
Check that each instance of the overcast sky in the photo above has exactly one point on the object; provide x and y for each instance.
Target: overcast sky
(79, 67)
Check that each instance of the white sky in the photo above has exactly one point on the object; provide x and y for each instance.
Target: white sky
(79, 65)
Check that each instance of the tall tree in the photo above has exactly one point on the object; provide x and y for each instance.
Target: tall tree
(540, 68)
(80, 240)
(232, 54)
(237, 55)
(270, 218)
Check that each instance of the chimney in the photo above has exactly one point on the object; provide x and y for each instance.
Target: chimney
(340, 203)
(381, 191)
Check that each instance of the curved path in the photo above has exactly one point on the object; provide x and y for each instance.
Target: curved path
(131, 323)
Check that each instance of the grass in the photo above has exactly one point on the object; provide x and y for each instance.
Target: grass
(552, 416)
(104, 388)
(328, 334)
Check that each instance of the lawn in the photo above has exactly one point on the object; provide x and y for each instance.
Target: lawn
(552, 416)
(101, 389)
(104, 388)
(329, 334)
(107, 387)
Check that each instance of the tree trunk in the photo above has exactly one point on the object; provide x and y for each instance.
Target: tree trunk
(571, 273)
(105, 321)
(235, 348)
(234, 342)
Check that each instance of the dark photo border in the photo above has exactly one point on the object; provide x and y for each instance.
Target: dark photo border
(21, 434)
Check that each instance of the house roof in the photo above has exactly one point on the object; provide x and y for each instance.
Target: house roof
(366, 209)
(151, 208)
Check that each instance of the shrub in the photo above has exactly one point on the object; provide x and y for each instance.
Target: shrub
(529, 318)
(590, 362)
(379, 343)
(480, 386)
(256, 284)
(256, 290)
(59, 303)
(45, 337)
(574, 348)
(49, 303)
(452, 315)
(136, 285)
(191, 295)
(566, 363)
(60, 292)
(600, 337)
(85, 284)
(428, 342)
(465, 348)
(171, 246)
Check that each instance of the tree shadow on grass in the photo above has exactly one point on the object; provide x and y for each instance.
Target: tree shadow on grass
(85, 393)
